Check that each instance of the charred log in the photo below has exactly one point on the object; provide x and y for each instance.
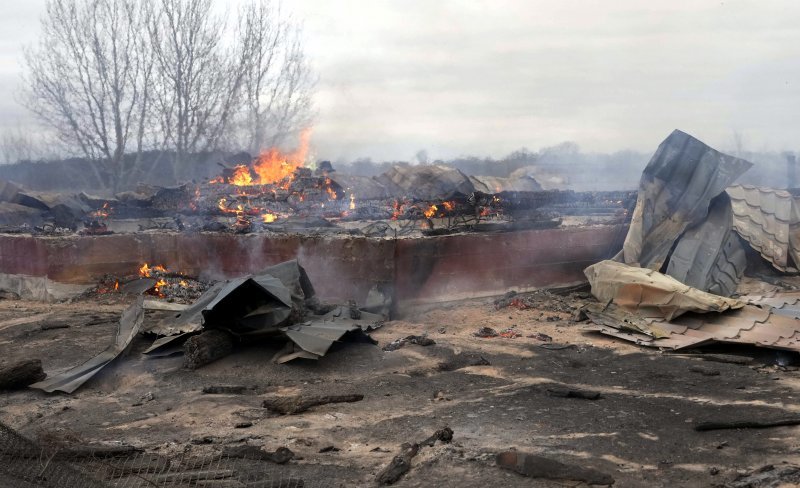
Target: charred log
(206, 348)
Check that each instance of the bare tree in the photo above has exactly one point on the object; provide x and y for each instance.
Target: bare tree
(197, 78)
(86, 78)
(16, 146)
(277, 80)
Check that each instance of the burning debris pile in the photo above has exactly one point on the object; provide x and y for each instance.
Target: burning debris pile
(675, 284)
(154, 281)
(277, 192)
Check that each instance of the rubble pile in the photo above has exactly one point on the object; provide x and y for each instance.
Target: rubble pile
(692, 236)
(256, 198)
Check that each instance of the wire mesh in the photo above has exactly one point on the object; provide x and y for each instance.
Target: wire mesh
(25, 464)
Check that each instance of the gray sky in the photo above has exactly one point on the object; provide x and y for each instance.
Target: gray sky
(488, 77)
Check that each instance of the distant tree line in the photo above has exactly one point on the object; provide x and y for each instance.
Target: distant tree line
(111, 78)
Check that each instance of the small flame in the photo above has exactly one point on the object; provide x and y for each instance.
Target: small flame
(269, 218)
(145, 271)
(331, 194)
(449, 206)
(103, 212)
(352, 202)
(431, 211)
(397, 209)
(116, 285)
(161, 283)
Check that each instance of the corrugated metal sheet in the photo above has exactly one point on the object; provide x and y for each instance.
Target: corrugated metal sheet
(769, 220)
(748, 325)
(710, 256)
(676, 188)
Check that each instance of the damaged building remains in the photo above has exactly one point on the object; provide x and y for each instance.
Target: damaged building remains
(283, 325)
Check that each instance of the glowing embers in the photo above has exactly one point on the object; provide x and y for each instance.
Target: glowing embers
(171, 285)
(103, 212)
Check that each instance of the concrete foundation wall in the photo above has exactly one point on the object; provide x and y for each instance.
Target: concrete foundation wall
(421, 270)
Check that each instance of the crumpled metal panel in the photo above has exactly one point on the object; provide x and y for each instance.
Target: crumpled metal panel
(748, 325)
(260, 305)
(769, 220)
(72, 379)
(650, 293)
(709, 256)
(677, 185)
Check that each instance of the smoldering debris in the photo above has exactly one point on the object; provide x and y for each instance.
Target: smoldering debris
(426, 199)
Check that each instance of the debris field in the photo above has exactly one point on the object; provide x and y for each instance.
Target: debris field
(674, 364)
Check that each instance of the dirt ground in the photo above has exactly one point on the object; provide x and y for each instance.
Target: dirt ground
(641, 432)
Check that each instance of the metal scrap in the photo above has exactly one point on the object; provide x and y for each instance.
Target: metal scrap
(769, 220)
(747, 325)
(675, 191)
(710, 256)
(650, 293)
(269, 305)
(70, 380)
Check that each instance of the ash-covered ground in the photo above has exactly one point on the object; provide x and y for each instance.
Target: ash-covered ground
(496, 393)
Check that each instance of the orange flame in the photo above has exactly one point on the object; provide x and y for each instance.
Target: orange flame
(146, 271)
(241, 176)
(273, 166)
(269, 217)
(449, 206)
(352, 202)
(397, 209)
(103, 212)
(431, 211)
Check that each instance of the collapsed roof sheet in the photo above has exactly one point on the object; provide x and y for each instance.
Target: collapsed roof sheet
(676, 188)
(70, 380)
(650, 293)
(769, 220)
(710, 256)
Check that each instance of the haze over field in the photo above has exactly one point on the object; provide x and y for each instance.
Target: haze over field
(485, 78)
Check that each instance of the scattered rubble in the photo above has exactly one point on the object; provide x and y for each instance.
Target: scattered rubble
(419, 340)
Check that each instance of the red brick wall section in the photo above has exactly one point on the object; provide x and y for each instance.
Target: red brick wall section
(341, 268)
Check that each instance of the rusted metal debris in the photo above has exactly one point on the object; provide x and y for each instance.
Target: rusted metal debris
(747, 325)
